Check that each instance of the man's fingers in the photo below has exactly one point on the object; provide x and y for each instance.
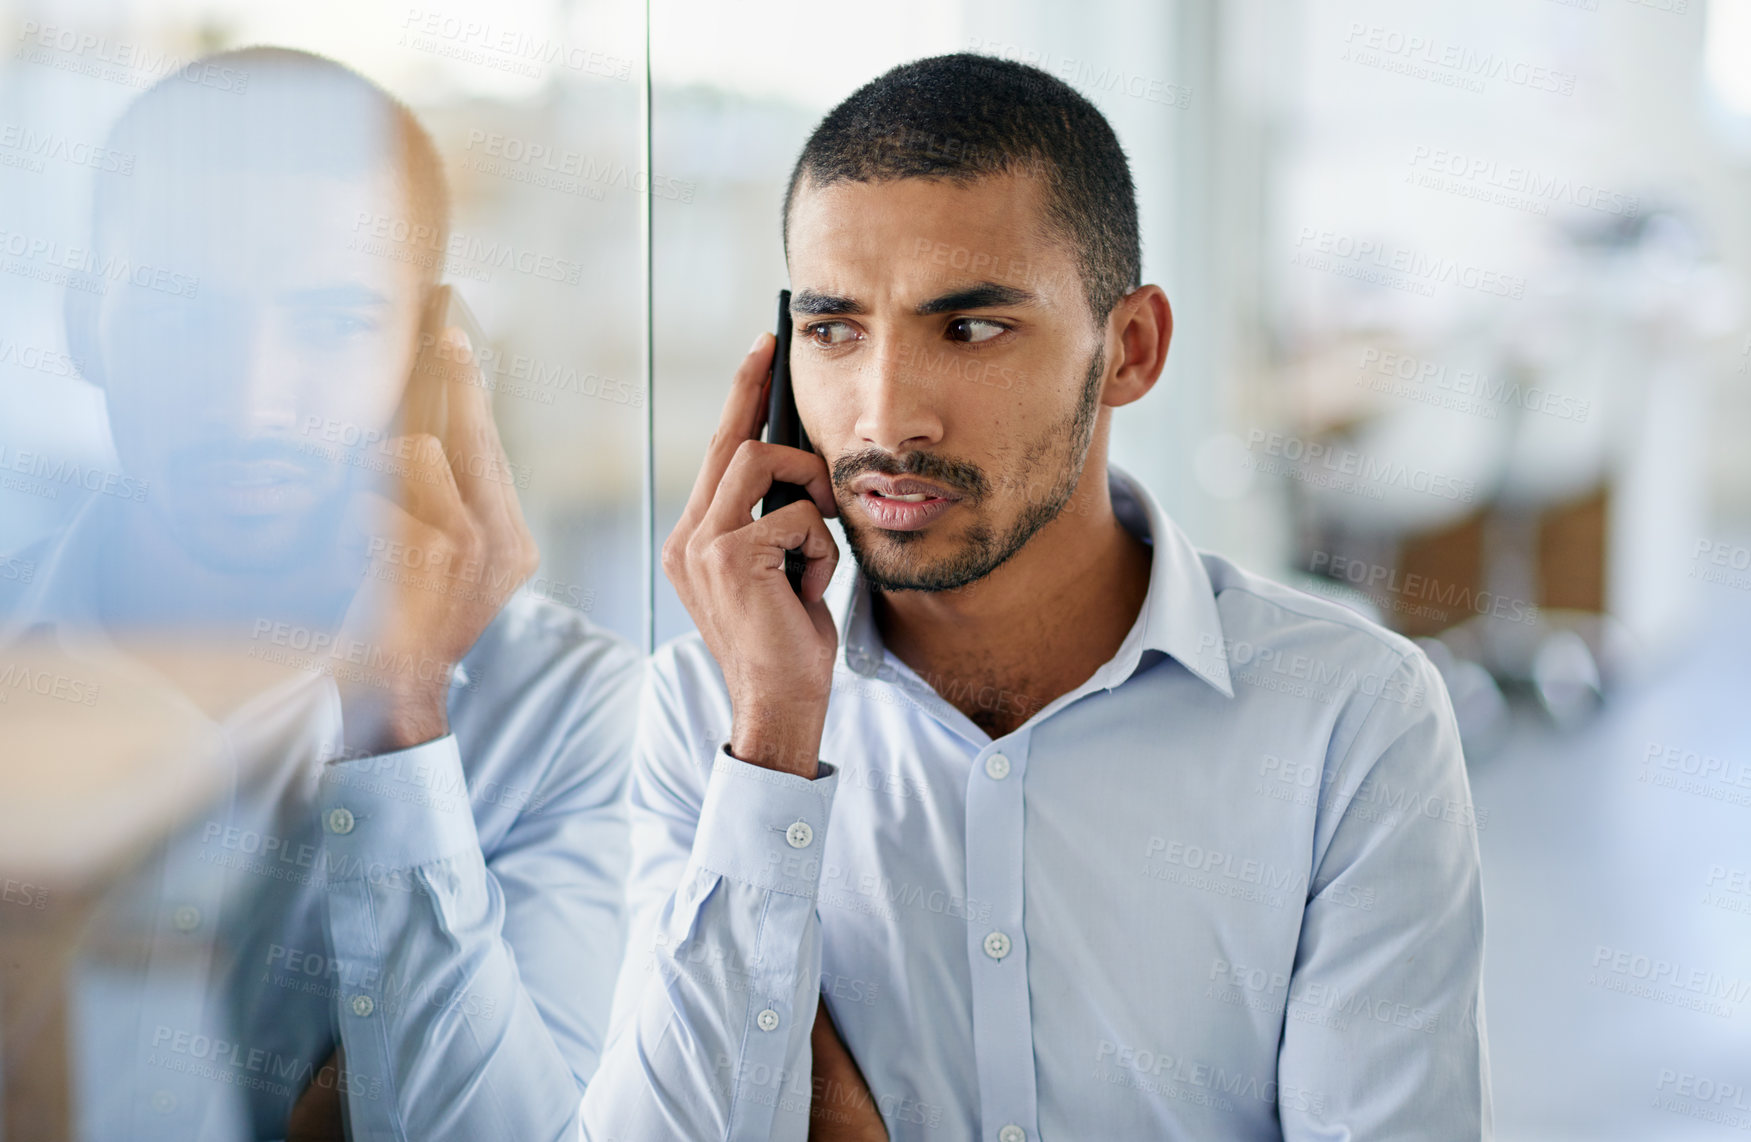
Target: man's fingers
(841, 1108)
(403, 553)
(318, 1114)
(751, 474)
(794, 526)
(424, 482)
(388, 532)
(471, 440)
(374, 517)
(797, 525)
(481, 472)
(740, 420)
(425, 405)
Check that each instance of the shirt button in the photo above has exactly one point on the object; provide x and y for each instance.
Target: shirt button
(163, 1101)
(363, 1006)
(340, 821)
(997, 945)
(768, 1020)
(997, 766)
(1012, 1133)
(187, 918)
(799, 835)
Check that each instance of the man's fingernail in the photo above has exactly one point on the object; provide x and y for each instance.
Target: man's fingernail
(458, 338)
(758, 337)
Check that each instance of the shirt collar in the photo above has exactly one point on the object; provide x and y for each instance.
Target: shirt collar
(1179, 616)
(63, 590)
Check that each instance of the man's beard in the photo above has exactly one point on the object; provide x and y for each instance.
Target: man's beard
(886, 568)
(265, 545)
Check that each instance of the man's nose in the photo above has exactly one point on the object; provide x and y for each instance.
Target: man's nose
(252, 380)
(900, 399)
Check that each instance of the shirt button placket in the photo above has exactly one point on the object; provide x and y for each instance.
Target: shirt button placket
(996, 946)
(181, 947)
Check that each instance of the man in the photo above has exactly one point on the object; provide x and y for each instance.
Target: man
(406, 908)
(1077, 832)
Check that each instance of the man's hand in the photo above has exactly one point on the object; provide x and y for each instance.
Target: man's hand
(775, 650)
(445, 554)
(841, 1109)
(319, 1113)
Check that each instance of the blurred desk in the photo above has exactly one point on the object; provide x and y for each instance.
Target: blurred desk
(105, 753)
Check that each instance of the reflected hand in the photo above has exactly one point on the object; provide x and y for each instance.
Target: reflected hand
(841, 1109)
(444, 558)
(319, 1115)
(775, 650)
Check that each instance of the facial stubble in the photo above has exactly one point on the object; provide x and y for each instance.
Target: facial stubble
(881, 554)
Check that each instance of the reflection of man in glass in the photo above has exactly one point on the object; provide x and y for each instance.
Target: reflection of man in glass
(416, 877)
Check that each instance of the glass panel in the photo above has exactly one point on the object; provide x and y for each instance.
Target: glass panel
(228, 553)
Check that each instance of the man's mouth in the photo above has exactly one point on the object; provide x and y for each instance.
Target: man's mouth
(254, 488)
(901, 503)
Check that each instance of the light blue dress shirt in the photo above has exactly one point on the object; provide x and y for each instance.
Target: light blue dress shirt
(452, 914)
(1227, 888)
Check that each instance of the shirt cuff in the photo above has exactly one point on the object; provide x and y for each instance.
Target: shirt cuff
(764, 828)
(396, 811)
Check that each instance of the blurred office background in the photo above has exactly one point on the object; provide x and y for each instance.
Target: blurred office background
(1462, 340)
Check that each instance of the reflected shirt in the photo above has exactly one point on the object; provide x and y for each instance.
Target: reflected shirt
(1228, 887)
(451, 914)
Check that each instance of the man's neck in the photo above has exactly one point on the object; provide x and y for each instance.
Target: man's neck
(152, 583)
(1037, 627)
(159, 606)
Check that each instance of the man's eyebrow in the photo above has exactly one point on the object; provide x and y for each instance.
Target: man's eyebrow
(814, 303)
(985, 295)
(338, 297)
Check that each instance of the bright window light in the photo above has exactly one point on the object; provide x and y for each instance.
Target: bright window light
(1727, 53)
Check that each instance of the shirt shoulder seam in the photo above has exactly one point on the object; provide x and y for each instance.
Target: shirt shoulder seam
(1388, 640)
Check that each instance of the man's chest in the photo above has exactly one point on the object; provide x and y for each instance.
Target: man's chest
(1114, 913)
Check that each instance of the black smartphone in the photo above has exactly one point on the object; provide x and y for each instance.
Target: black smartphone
(783, 426)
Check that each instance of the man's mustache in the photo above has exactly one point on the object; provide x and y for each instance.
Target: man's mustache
(968, 479)
(199, 461)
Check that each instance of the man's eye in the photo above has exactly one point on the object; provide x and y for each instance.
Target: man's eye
(331, 327)
(831, 332)
(972, 330)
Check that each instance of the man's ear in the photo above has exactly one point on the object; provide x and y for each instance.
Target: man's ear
(81, 309)
(1142, 323)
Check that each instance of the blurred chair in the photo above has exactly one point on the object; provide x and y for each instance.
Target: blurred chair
(1570, 433)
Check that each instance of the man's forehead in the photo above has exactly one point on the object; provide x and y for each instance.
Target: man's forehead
(920, 236)
(216, 197)
(250, 224)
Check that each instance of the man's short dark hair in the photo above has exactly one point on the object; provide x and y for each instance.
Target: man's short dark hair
(962, 117)
(284, 111)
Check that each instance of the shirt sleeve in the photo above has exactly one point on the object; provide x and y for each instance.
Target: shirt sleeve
(473, 993)
(717, 995)
(1384, 1032)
